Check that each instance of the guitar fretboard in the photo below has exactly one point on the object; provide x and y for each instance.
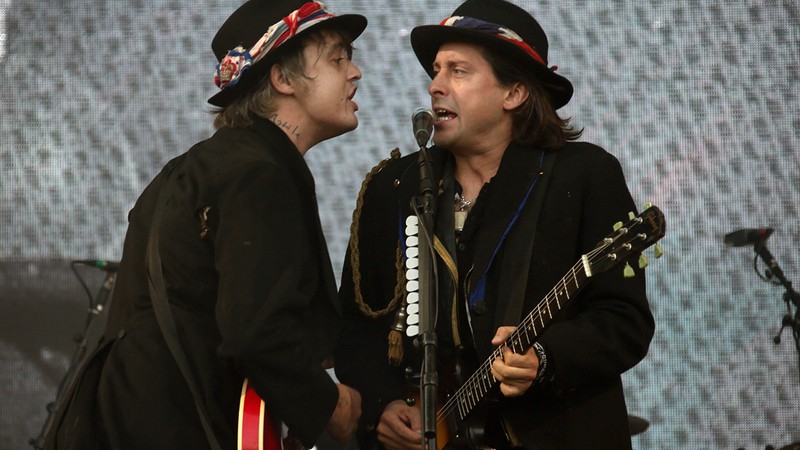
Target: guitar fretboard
(481, 382)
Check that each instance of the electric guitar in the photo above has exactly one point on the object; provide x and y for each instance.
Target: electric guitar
(456, 426)
(257, 430)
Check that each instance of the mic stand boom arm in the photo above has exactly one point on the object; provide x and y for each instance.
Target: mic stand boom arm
(791, 297)
(427, 300)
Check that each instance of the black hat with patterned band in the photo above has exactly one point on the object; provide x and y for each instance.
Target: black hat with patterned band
(502, 27)
(256, 33)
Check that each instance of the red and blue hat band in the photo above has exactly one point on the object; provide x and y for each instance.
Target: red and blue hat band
(493, 29)
(231, 68)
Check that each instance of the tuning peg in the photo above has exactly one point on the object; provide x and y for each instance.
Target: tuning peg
(628, 271)
(648, 205)
(617, 226)
(643, 261)
(658, 251)
(631, 215)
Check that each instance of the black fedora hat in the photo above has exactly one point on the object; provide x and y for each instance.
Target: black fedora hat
(502, 27)
(260, 30)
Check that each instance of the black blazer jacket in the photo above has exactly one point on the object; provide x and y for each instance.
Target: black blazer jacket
(252, 292)
(604, 331)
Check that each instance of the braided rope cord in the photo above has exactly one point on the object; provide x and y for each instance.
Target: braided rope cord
(355, 253)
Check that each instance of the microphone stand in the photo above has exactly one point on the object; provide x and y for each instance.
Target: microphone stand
(424, 207)
(791, 297)
(96, 307)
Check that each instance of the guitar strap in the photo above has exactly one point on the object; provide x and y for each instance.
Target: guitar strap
(516, 264)
(517, 258)
(158, 295)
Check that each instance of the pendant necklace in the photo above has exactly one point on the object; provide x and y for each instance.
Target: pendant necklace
(462, 207)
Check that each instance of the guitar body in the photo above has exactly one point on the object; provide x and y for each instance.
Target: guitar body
(257, 430)
(482, 428)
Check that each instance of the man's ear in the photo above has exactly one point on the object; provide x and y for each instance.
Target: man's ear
(517, 94)
(280, 82)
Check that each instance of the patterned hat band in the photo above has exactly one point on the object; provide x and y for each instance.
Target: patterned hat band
(493, 29)
(231, 68)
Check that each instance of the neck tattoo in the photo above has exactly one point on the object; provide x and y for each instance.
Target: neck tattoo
(290, 129)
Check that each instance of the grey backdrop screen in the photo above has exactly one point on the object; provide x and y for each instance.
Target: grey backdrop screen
(699, 101)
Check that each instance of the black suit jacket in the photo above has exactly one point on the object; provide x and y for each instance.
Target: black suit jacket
(601, 334)
(251, 289)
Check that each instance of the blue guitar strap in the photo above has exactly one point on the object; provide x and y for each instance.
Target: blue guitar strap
(517, 258)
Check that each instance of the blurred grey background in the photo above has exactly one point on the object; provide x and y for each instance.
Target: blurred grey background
(699, 100)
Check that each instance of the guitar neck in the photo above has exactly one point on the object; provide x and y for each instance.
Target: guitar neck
(537, 320)
(526, 334)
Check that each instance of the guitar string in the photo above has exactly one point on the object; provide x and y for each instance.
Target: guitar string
(461, 396)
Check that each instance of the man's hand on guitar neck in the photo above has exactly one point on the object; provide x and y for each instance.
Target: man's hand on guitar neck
(515, 373)
(400, 427)
(344, 420)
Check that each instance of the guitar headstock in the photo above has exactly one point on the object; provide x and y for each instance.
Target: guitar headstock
(627, 242)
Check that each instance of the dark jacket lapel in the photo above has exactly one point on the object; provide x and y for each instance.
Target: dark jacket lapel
(518, 169)
(287, 153)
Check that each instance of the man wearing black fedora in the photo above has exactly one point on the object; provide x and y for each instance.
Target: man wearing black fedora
(519, 201)
(225, 309)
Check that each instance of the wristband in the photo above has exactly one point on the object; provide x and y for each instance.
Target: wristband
(540, 353)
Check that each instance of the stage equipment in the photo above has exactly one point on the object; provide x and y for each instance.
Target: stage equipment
(423, 206)
(97, 304)
(773, 274)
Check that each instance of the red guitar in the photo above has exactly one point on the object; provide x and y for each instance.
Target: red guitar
(257, 430)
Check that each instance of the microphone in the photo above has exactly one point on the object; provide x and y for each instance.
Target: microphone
(108, 266)
(423, 125)
(747, 236)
